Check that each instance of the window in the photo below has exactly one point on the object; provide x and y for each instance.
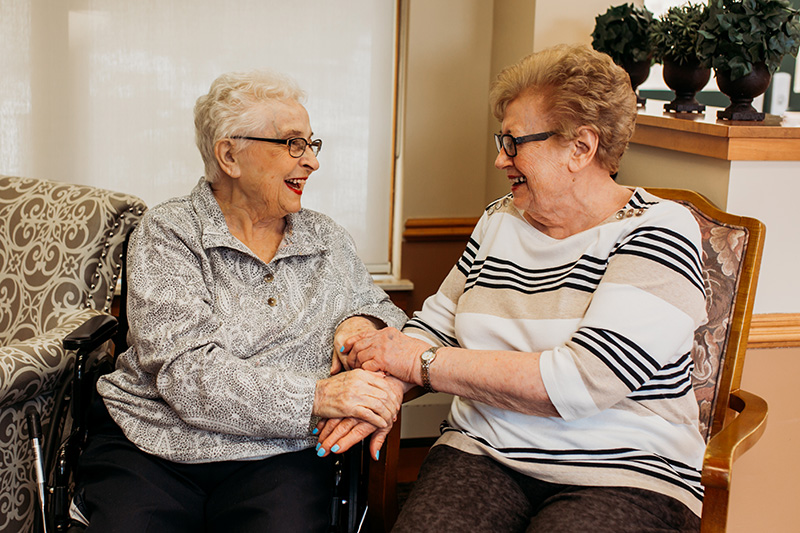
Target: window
(101, 92)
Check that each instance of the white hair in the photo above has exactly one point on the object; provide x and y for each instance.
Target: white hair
(233, 106)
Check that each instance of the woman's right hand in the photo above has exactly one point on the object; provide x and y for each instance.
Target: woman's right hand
(368, 396)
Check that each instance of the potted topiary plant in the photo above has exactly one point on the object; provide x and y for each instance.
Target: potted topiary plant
(623, 33)
(673, 39)
(744, 42)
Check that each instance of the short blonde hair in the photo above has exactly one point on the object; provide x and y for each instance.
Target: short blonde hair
(233, 106)
(579, 87)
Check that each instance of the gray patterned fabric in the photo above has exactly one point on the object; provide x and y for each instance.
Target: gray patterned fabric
(226, 350)
(60, 250)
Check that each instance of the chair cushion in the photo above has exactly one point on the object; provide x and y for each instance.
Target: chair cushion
(722, 264)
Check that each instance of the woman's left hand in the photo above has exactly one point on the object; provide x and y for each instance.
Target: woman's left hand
(347, 329)
(337, 435)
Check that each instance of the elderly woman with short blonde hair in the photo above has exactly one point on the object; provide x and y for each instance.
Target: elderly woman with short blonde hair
(564, 330)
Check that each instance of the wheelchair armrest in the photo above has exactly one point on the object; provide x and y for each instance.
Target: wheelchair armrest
(92, 333)
(734, 439)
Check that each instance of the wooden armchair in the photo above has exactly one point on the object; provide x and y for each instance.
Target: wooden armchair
(731, 420)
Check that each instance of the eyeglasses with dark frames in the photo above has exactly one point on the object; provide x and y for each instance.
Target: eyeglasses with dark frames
(509, 142)
(296, 145)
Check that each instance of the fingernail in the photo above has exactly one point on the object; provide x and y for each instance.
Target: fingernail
(377, 455)
(341, 349)
(318, 445)
(315, 431)
(321, 452)
(335, 448)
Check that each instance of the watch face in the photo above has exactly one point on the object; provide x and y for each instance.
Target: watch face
(427, 356)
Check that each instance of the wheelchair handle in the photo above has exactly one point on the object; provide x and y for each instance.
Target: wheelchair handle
(35, 434)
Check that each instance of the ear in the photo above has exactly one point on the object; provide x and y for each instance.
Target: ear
(584, 148)
(226, 158)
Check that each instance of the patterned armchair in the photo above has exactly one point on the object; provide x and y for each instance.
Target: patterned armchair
(731, 420)
(60, 258)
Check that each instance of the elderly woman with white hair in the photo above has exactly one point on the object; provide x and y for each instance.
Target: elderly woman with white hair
(238, 298)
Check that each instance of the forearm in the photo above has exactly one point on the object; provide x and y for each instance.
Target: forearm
(504, 379)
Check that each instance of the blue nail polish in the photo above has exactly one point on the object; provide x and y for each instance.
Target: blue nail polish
(335, 448)
(341, 349)
(321, 452)
(318, 445)
(377, 455)
(315, 431)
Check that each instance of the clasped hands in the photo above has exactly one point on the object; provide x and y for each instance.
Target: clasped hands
(365, 400)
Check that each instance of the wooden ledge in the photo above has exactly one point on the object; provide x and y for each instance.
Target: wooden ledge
(774, 139)
(774, 330)
(439, 229)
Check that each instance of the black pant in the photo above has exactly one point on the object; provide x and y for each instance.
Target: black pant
(127, 490)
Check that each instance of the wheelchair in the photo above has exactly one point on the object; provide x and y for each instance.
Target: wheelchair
(57, 449)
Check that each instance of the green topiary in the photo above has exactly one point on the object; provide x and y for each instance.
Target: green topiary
(623, 33)
(740, 33)
(674, 34)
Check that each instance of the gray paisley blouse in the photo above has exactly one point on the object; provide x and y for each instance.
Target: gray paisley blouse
(225, 349)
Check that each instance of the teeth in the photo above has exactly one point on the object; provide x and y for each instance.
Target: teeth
(519, 180)
(295, 182)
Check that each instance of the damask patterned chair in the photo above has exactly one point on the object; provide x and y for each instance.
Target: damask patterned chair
(60, 249)
(731, 419)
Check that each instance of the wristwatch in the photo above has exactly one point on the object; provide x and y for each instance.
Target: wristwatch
(427, 359)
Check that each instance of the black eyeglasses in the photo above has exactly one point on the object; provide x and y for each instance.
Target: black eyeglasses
(297, 145)
(509, 142)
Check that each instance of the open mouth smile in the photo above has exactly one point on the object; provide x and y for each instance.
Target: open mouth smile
(296, 185)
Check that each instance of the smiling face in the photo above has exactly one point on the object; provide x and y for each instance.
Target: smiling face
(271, 179)
(538, 174)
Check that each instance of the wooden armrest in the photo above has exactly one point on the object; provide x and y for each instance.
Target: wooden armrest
(413, 393)
(734, 439)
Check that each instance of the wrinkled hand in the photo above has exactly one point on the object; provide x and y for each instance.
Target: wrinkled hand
(368, 396)
(338, 435)
(388, 351)
(348, 328)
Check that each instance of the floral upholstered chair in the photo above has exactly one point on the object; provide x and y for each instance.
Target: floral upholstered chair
(60, 259)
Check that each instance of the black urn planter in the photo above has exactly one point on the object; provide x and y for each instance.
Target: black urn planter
(742, 91)
(638, 72)
(685, 80)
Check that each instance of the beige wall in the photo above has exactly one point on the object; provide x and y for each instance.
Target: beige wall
(444, 147)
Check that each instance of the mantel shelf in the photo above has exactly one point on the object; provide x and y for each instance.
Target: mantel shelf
(770, 140)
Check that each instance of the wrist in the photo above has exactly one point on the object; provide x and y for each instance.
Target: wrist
(426, 360)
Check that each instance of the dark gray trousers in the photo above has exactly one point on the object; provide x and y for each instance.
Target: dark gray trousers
(458, 492)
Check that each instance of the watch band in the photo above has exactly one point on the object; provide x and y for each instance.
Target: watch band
(426, 359)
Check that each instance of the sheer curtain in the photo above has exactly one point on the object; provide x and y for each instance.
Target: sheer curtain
(101, 92)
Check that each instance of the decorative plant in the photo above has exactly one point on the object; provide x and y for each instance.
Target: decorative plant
(673, 35)
(739, 33)
(623, 33)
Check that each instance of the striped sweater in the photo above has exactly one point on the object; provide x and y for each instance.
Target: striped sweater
(613, 310)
